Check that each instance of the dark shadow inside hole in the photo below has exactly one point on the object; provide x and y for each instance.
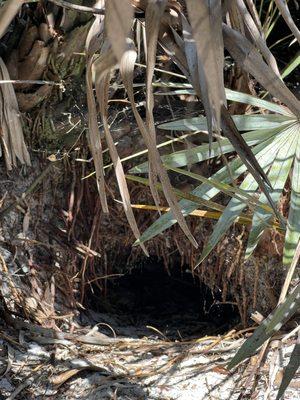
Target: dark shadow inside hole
(148, 299)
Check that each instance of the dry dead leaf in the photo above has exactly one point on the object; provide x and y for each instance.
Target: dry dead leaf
(257, 36)
(118, 24)
(206, 22)
(249, 59)
(94, 43)
(126, 68)
(103, 68)
(285, 12)
(11, 132)
(154, 13)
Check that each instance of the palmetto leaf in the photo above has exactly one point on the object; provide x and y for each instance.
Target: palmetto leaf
(278, 175)
(201, 153)
(182, 195)
(126, 69)
(245, 153)
(11, 131)
(276, 319)
(290, 370)
(206, 191)
(293, 226)
(235, 207)
(256, 102)
(242, 122)
(236, 96)
(256, 35)
(229, 190)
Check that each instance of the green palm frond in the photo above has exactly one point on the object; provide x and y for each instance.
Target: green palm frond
(275, 149)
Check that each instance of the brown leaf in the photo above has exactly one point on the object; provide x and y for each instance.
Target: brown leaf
(125, 52)
(93, 43)
(126, 68)
(285, 12)
(206, 22)
(249, 59)
(196, 70)
(118, 23)
(154, 13)
(11, 133)
(257, 37)
(102, 79)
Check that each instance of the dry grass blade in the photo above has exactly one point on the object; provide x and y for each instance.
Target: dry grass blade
(11, 131)
(206, 21)
(249, 58)
(127, 67)
(93, 43)
(154, 13)
(8, 12)
(285, 12)
(257, 37)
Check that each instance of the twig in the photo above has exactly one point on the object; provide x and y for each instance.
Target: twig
(19, 389)
(33, 82)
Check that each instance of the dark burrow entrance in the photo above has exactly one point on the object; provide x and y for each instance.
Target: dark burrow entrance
(149, 301)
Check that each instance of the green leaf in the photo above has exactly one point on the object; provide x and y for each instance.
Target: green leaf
(201, 153)
(291, 66)
(278, 175)
(293, 226)
(245, 153)
(240, 98)
(229, 190)
(242, 122)
(235, 207)
(282, 313)
(206, 191)
(256, 102)
(290, 370)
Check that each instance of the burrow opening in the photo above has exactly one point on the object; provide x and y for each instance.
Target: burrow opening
(150, 301)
